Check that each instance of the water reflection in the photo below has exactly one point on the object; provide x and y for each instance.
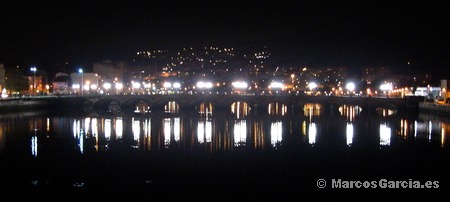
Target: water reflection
(172, 107)
(94, 134)
(81, 141)
(277, 109)
(445, 130)
(385, 134)
(141, 129)
(310, 131)
(76, 127)
(240, 109)
(136, 128)
(147, 128)
(48, 125)
(312, 109)
(101, 131)
(276, 131)
(142, 107)
(107, 129)
(240, 133)
(349, 134)
(404, 128)
(350, 111)
(118, 125)
(2, 137)
(172, 132)
(258, 135)
(385, 111)
(427, 130)
(34, 146)
(204, 131)
(205, 109)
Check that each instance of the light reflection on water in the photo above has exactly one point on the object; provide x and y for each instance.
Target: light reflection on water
(34, 146)
(183, 132)
(74, 148)
(312, 133)
(119, 127)
(240, 109)
(172, 132)
(276, 132)
(385, 134)
(204, 131)
(312, 109)
(349, 134)
(240, 133)
(350, 112)
(2, 137)
(277, 109)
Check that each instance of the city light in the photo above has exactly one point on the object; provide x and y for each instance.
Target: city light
(135, 85)
(118, 86)
(4, 95)
(176, 85)
(206, 85)
(312, 86)
(167, 85)
(107, 86)
(276, 85)
(350, 86)
(386, 87)
(86, 85)
(240, 84)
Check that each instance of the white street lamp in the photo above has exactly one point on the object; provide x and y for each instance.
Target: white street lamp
(34, 69)
(82, 84)
(350, 86)
(312, 86)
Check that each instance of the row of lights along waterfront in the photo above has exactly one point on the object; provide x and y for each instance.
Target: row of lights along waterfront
(238, 86)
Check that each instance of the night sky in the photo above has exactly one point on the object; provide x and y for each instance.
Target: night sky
(299, 33)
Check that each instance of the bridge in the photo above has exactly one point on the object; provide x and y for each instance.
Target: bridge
(187, 102)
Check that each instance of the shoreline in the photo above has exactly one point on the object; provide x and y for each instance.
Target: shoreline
(437, 109)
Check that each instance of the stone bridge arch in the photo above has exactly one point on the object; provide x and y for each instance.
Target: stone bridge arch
(386, 109)
(108, 104)
(299, 107)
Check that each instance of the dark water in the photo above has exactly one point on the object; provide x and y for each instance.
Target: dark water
(225, 156)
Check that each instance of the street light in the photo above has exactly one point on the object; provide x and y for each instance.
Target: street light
(82, 84)
(350, 87)
(34, 69)
(312, 86)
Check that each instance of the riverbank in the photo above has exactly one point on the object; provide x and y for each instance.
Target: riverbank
(23, 105)
(438, 109)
